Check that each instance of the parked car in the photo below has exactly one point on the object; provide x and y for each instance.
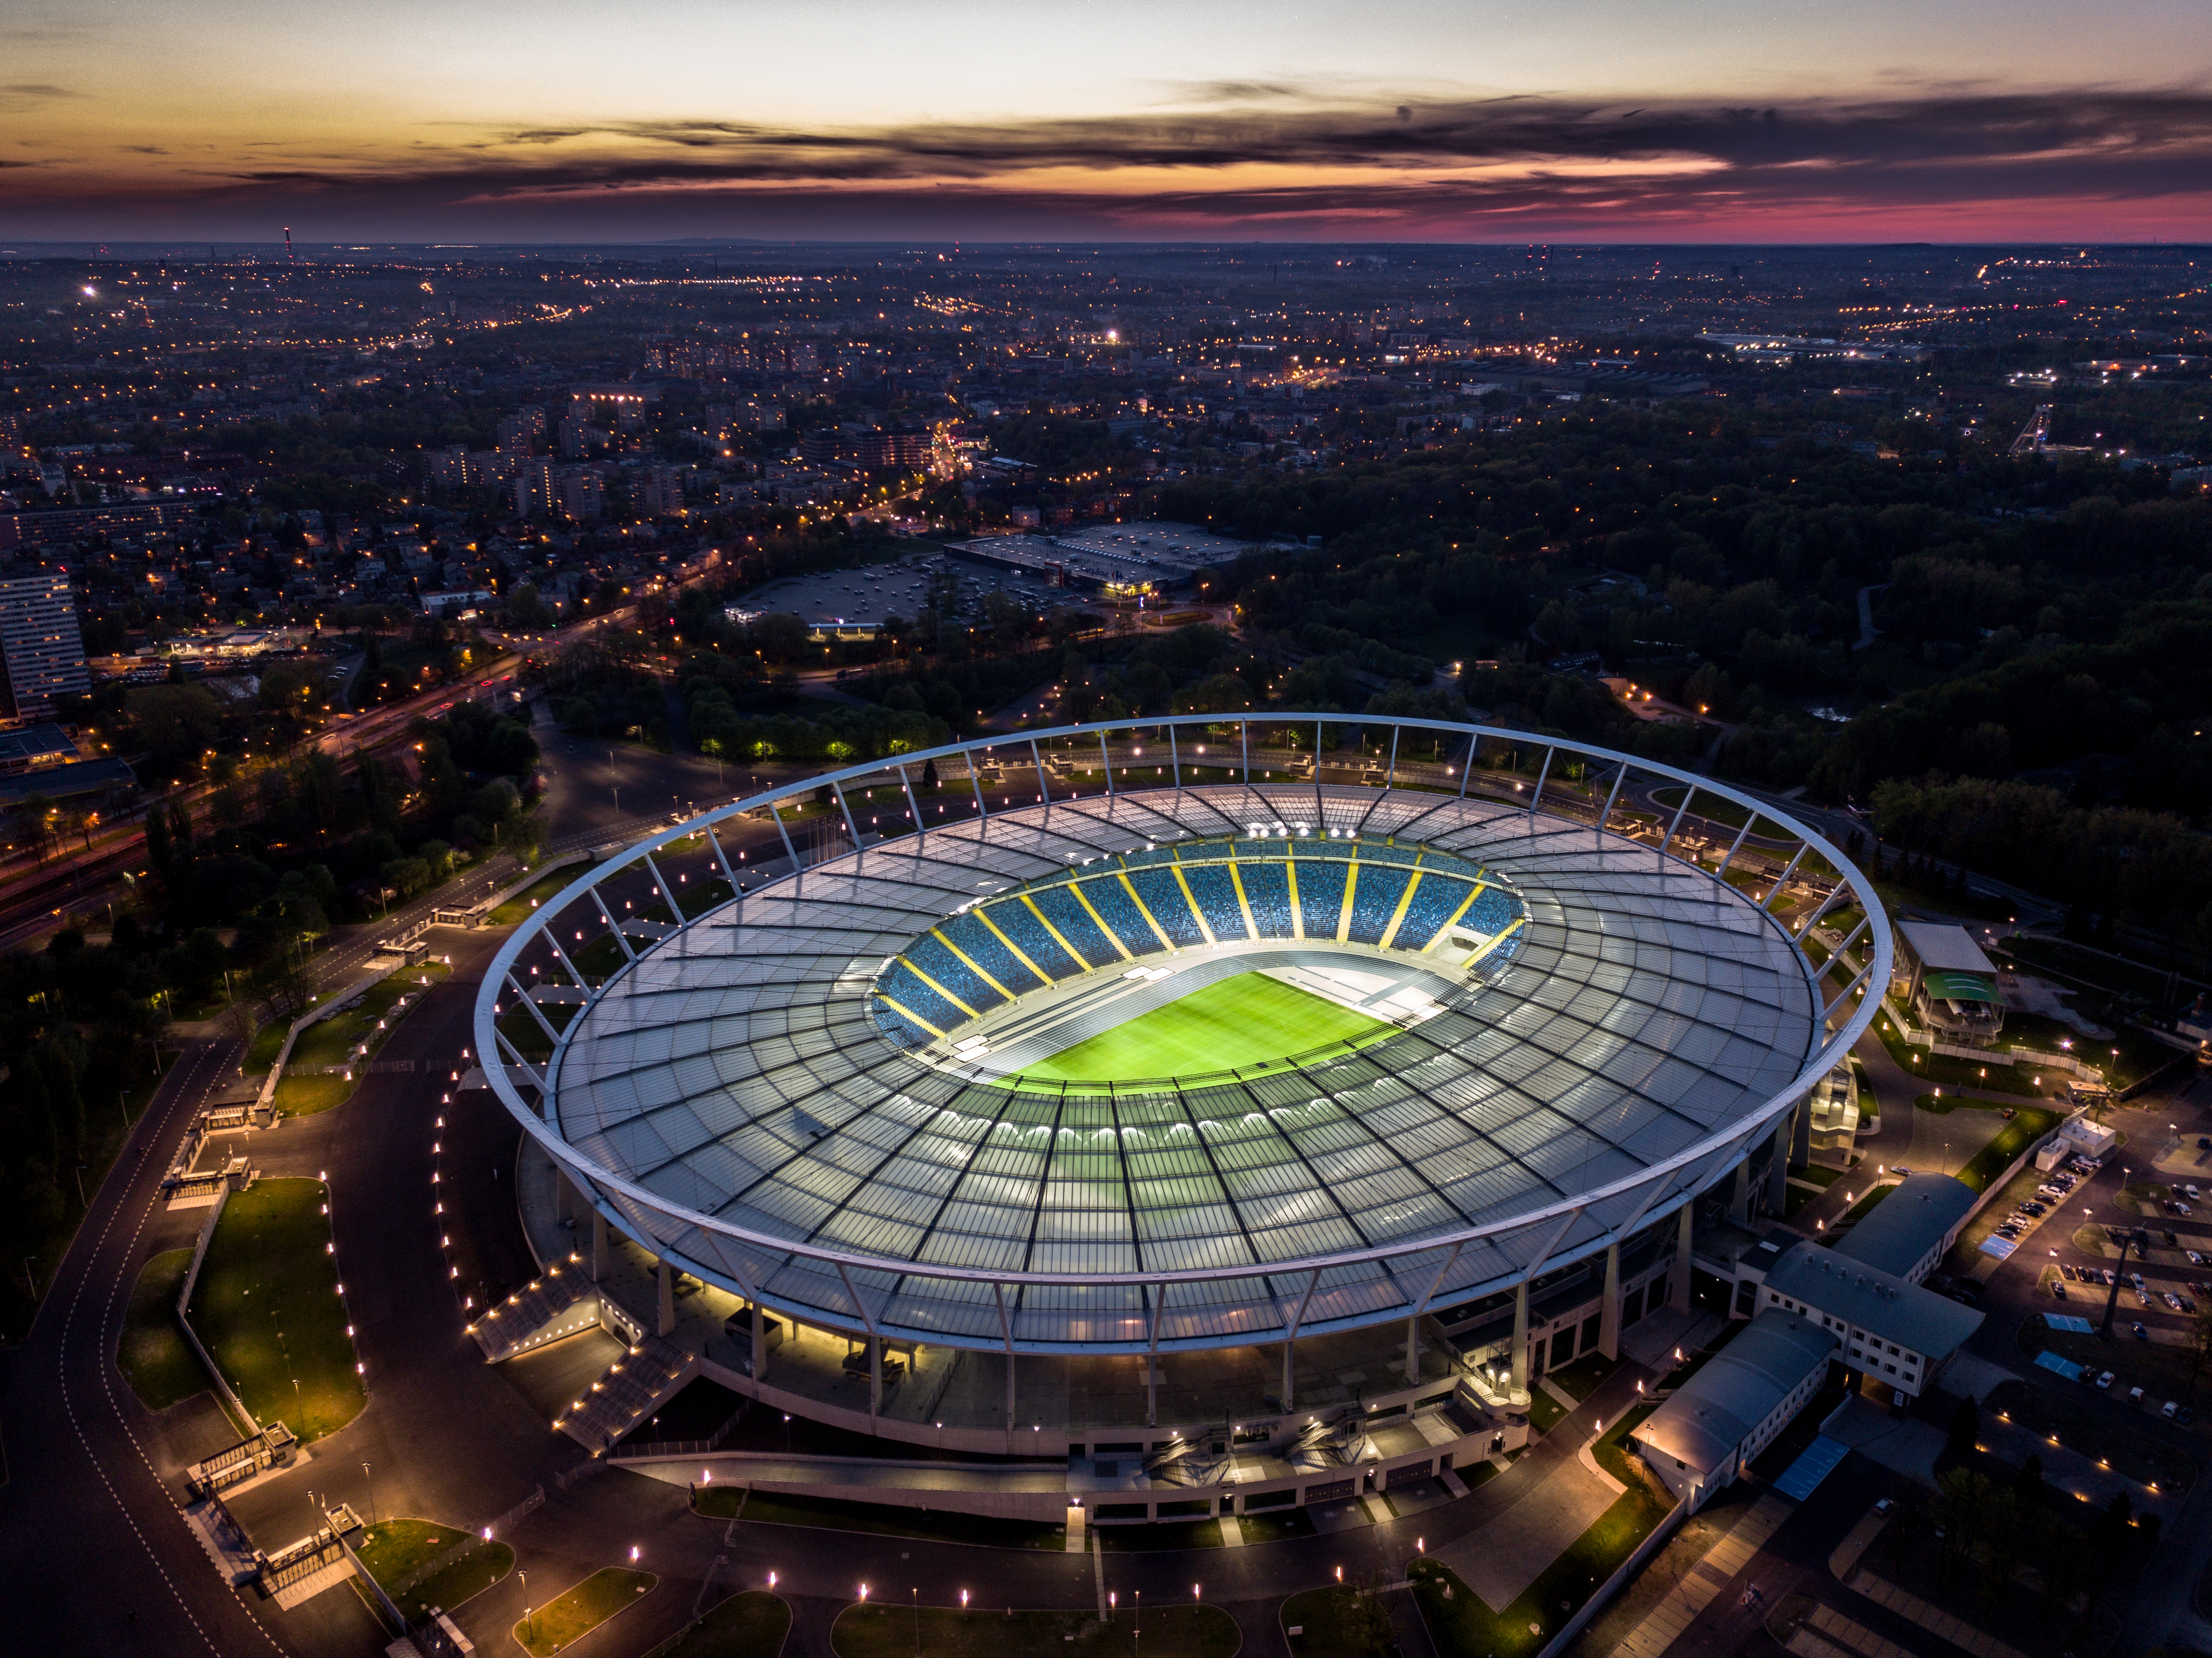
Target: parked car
(2195, 1259)
(2141, 1334)
(2066, 1270)
(2172, 1239)
(2105, 1380)
(2136, 1279)
(2058, 1289)
(2185, 1416)
(1900, 1168)
(2173, 1409)
(2173, 1301)
(2110, 1276)
(2187, 1305)
(2189, 1192)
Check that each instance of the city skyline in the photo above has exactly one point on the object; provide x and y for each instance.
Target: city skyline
(1411, 122)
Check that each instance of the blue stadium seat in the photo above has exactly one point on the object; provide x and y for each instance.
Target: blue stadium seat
(981, 946)
(1492, 913)
(1012, 917)
(1434, 901)
(1058, 905)
(946, 968)
(1123, 915)
(1375, 900)
(903, 986)
(1267, 890)
(1320, 895)
(1217, 897)
(897, 1026)
(1374, 852)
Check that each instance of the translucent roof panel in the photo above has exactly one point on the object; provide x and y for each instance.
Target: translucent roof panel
(739, 1077)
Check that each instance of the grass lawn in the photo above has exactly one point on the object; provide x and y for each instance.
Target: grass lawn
(1709, 804)
(1336, 1622)
(467, 1577)
(266, 1042)
(2030, 1125)
(1235, 1022)
(749, 1625)
(267, 1307)
(734, 1502)
(888, 1631)
(393, 1548)
(1544, 1411)
(517, 909)
(1858, 1210)
(331, 1041)
(1462, 1627)
(161, 1367)
(1279, 1524)
(567, 1618)
(1582, 1377)
(1159, 1534)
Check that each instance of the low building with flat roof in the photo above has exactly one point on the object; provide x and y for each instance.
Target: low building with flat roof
(1911, 1229)
(1950, 985)
(1735, 1403)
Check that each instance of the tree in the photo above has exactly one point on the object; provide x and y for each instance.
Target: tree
(1966, 1426)
(2028, 1483)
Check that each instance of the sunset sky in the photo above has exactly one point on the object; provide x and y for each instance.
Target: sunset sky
(1857, 120)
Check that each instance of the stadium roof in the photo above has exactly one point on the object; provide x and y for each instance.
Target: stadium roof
(731, 1100)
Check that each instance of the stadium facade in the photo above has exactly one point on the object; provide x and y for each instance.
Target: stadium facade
(873, 1111)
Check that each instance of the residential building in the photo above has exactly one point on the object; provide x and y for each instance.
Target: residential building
(41, 650)
(658, 489)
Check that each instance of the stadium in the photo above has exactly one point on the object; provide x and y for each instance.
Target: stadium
(1170, 1085)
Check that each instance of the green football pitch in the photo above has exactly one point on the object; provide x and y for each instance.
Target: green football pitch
(1227, 1025)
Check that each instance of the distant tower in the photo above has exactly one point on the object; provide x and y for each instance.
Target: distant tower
(287, 244)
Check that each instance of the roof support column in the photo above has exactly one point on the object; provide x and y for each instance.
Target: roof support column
(1608, 1314)
(1006, 1333)
(1543, 772)
(1676, 823)
(1390, 775)
(851, 828)
(1175, 760)
(1520, 1383)
(1613, 794)
(1678, 1287)
(775, 810)
(975, 780)
(911, 804)
(665, 1281)
(1467, 770)
(1777, 1171)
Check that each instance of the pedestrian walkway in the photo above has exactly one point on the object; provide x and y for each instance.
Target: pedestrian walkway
(1838, 1636)
(1665, 1622)
(1501, 1558)
(1933, 1618)
(1813, 1464)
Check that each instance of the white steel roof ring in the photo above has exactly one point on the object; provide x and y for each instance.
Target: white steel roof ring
(726, 1099)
